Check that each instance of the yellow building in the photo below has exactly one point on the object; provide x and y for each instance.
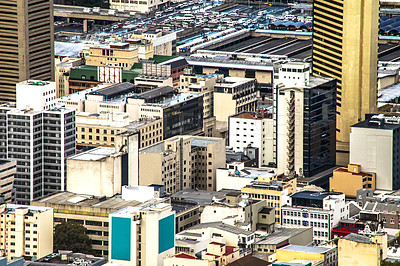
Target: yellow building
(274, 190)
(26, 231)
(328, 255)
(117, 54)
(349, 180)
(62, 70)
(356, 249)
(345, 47)
(89, 211)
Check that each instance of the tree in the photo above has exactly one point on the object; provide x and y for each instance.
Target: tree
(72, 236)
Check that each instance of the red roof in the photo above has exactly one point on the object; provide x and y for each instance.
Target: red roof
(229, 250)
(185, 256)
(216, 243)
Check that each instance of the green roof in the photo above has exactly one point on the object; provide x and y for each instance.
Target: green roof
(90, 73)
(162, 58)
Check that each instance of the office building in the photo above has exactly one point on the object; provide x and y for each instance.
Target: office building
(90, 211)
(374, 145)
(142, 235)
(345, 47)
(27, 44)
(40, 142)
(35, 94)
(26, 230)
(182, 162)
(320, 210)
(204, 85)
(304, 110)
(252, 129)
(8, 170)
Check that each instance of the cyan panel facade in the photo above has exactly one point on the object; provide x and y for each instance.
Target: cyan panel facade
(166, 233)
(121, 238)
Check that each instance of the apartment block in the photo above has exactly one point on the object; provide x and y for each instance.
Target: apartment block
(374, 145)
(90, 211)
(26, 231)
(27, 44)
(182, 162)
(143, 235)
(234, 95)
(253, 129)
(345, 47)
(320, 210)
(304, 116)
(40, 142)
(274, 190)
(8, 170)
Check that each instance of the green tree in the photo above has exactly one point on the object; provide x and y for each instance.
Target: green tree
(72, 236)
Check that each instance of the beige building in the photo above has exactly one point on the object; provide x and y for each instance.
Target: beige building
(202, 84)
(89, 211)
(143, 6)
(356, 249)
(27, 44)
(8, 169)
(234, 95)
(26, 231)
(163, 42)
(62, 70)
(345, 47)
(117, 54)
(182, 162)
(349, 180)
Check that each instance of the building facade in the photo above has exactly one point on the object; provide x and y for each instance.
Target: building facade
(8, 170)
(27, 44)
(345, 47)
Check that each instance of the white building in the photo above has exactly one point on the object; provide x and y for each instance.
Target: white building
(374, 145)
(142, 235)
(143, 6)
(139, 193)
(320, 210)
(36, 95)
(255, 130)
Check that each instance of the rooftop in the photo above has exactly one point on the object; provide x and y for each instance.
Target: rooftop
(358, 238)
(74, 199)
(154, 205)
(95, 154)
(306, 249)
(282, 234)
(156, 93)
(115, 90)
(314, 195)
(11, 208)
(201, 197)
(222, 226)
(379, 121)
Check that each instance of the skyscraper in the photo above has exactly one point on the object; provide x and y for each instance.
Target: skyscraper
(345, 47)
(26, 43)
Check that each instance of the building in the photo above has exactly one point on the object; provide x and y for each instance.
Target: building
(90, 211)
(8, 170)
(282, 237)
(255, 130)
(27, 44)
(187, 214)
(114, 55)
(373, 145)
(274, 190)
(26, 231)
(360, 249)
(204, 85)
(35, 94)
(320, 210)
(182, 162)
(138, 7)
(164, 42)
(304, 112)
(341, 37)
(234, 95)
(62, 72)
(40, 142)
(347, 226)
(142, 235)
(66, 257)
(349, 180)
(329, 256)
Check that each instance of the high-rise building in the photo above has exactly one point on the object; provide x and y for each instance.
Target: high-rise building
(40, 141)
(26, 42)
(345, 47)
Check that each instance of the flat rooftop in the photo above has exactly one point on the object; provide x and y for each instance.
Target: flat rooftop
(282, 234)
(74, 199)
(222, 226)
(201, 197)
(11, 208)
(95, 154)
(115, 90)
(306, 249)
